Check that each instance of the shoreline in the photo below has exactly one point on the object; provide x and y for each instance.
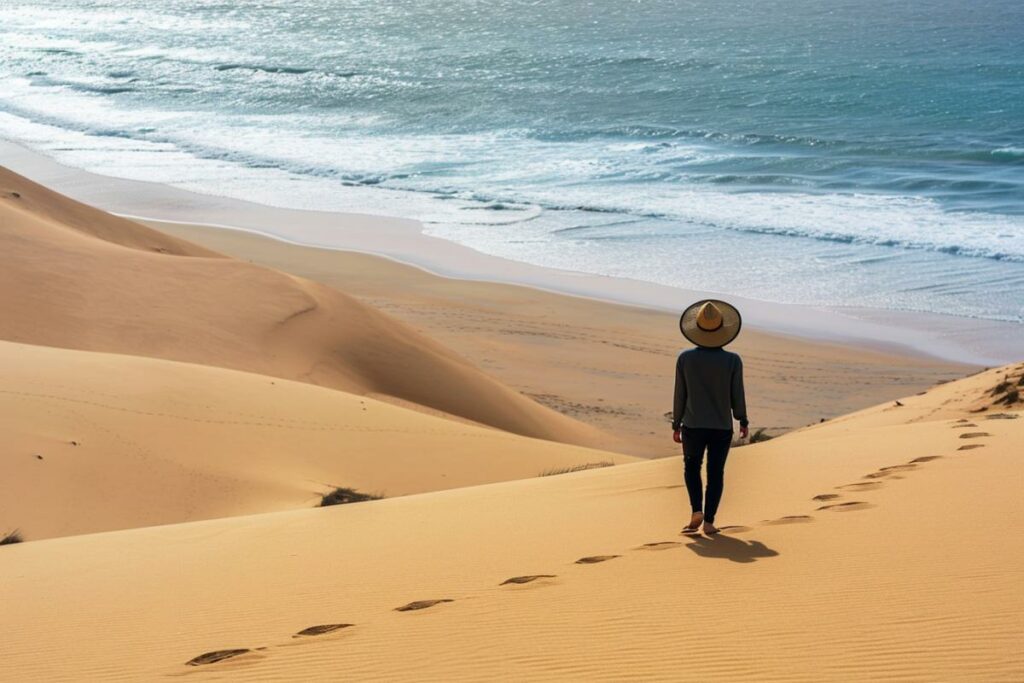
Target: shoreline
(944, 337)
(605, 364)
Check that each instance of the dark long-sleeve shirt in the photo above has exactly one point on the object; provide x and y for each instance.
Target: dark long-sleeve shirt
(709, 386)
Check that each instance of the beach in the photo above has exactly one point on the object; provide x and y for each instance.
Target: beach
(193, 392)
(349, 341)
(602, 362)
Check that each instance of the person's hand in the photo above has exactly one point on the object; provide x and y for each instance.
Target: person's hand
(744, 432)
(677, 436)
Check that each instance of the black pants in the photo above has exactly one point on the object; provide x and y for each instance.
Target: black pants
(716, 442)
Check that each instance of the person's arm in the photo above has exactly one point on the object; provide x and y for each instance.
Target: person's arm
(679, 400)
(739, 399)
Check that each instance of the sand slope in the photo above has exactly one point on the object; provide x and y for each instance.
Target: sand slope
(75, 277)
(94, 442)
(608, 365)
(878, 546)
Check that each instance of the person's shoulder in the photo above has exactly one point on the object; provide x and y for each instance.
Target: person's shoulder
(733, 356)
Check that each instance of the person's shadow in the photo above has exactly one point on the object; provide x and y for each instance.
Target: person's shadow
(730, 548)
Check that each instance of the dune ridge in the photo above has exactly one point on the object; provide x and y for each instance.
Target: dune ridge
(75, 277)
(97, 442)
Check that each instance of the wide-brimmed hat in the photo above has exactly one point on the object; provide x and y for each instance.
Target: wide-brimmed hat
(710, 323)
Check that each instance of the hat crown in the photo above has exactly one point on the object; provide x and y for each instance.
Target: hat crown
(709, 318)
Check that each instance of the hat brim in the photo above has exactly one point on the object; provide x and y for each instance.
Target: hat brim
(714, 339)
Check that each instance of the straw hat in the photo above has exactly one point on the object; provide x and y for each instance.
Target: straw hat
(710, 323)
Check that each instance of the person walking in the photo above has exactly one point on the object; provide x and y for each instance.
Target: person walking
(708, 395)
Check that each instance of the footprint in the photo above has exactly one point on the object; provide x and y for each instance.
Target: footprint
(969, 446)
(320, 630)
(659, 545)
(421, 604)
(526, 579)
(790, 519)
(594, 559)
(216, 656)
(974, 435)
(734, 529)
(897, 468)
(862, 486)
(926, 458)
(965, 425)
(826, 496)
(1002, 416)
(849, 505)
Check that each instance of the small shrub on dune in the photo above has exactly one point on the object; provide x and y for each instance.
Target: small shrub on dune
(1009, 398)
(344, 496)
(576, 468)
(1001, 387)
(12, 538)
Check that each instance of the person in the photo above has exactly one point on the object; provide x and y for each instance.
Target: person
(708, 395)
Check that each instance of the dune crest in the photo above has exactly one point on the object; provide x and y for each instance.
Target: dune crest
(75, 277)
(98, 442)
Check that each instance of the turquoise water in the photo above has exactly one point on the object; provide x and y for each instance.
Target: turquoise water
(861, 153)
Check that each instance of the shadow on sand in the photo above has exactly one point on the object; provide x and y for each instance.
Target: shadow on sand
(730, 548)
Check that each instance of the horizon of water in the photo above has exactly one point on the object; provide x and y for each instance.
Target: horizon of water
(845, 153)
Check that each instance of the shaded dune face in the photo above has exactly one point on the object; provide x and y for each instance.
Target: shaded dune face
(75, 277)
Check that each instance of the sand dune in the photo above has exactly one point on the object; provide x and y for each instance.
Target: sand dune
(75, 277)
(94, 442)
(870, 547)
(604, 364)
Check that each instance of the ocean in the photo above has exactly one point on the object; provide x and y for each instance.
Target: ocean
(865, 153)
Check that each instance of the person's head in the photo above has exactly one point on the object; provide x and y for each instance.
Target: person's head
(710, 323)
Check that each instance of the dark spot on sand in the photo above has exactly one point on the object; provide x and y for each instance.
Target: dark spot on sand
(826, 496)
(971, 446)
(320, 630)
(791, 519)
(926, 458)
(526, 579)
(216, 656)
(1002, 416)
(897, 468)
(862, 485)
(421, 604)
(974, 435)
(658, 545)
(594, 559)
